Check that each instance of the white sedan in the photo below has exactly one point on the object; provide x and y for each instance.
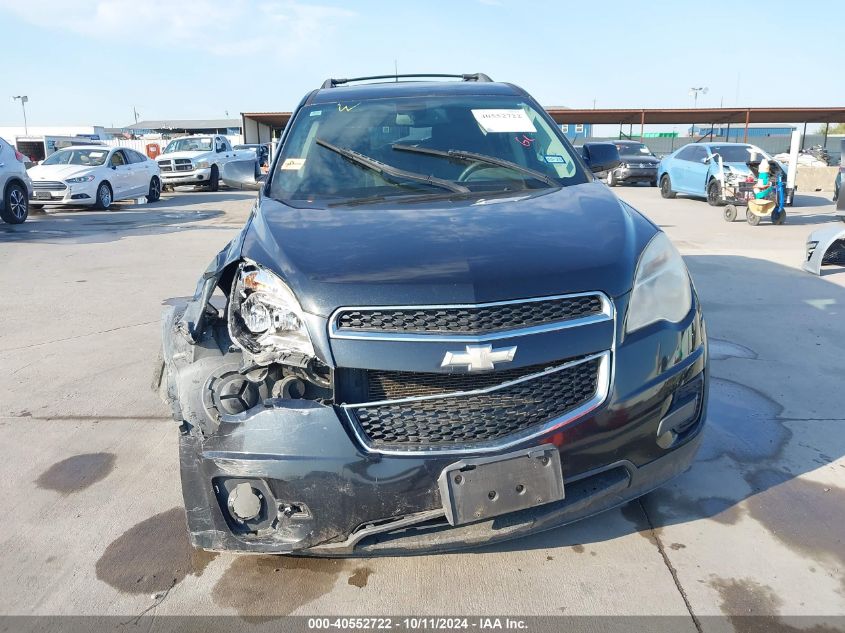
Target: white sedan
(94, 175)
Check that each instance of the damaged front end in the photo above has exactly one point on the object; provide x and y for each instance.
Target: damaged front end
(246, 384)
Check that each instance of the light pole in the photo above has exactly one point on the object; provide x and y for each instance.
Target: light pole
(23, 99)
(693, 92)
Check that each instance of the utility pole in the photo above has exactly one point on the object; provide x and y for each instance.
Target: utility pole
(693, 92)
(135, 113)
(23, 99)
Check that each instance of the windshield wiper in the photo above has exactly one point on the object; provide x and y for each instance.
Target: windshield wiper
(388, 170)
(479, 158)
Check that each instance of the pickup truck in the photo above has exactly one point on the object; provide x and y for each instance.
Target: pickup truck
(197, 160)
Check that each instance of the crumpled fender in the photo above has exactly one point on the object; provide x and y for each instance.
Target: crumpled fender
(217, 273)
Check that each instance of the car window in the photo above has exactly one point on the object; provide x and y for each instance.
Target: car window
(133, 156)
(734, 153)
(117, 159)
(697, 153)
(202, 144)
(633, 149)
(508, 128)
(88, 157)
(686, 153)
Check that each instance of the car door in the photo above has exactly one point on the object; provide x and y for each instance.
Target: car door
(121, 175)
(141, 172)
(697, 168)
(676, 167)
(223, 149)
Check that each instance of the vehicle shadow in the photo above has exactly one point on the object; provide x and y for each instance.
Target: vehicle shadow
(775, 414)
(813, 200)
(173, 212)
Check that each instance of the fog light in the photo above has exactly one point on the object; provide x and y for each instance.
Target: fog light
(683, 414)
(245, 502)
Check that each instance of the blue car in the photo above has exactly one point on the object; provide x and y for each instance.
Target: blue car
(696, 169)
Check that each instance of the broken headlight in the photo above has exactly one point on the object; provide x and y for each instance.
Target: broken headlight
(264, 317)
(662, 290)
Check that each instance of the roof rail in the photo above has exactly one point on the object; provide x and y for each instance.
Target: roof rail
(334, 83)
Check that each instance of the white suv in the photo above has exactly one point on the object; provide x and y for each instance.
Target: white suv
(15, 185)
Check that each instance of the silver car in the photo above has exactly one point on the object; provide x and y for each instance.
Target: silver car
(15, 185)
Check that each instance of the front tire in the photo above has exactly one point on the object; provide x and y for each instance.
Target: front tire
(666, 187)
(155, 190)
(214, 179)
(104, 196)
(15, 204)
(714, 193)
(729, 213)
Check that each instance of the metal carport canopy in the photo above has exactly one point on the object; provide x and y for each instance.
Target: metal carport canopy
(699, 115)
(652, 116)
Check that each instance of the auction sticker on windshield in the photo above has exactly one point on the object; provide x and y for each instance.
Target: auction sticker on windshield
(504, 120)
(293, 164)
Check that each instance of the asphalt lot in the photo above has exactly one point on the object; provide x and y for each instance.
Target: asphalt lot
(94, 522)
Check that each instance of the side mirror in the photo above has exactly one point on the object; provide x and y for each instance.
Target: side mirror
(221, 148)
(243, 174)
(601, 156)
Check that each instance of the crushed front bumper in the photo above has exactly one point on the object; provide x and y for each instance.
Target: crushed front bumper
(329, 495)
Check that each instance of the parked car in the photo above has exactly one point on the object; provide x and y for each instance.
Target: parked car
(15, 185)
(197, 160)
(94, 175)
(694, 169)
(639, 164)
(262, 153)
(436, 320)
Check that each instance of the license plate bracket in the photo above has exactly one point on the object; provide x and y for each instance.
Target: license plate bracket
(43, 195)
(485, 487)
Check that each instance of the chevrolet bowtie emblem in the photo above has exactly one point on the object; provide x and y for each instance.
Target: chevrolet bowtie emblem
(479, 357)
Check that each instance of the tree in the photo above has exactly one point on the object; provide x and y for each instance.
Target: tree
(832, 128)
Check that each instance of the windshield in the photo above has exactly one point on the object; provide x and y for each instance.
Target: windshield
(397, 144)
(188, 145)
(88, 157)
(633, 149)
(737, 153)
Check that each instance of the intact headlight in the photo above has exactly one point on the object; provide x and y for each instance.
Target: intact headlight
(264, 316)
(662, 290)
(79, 179)
(202, 164)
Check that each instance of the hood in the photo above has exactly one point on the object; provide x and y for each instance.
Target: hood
(639, 158)
(58, 172)
(193, 154)
(574, 239)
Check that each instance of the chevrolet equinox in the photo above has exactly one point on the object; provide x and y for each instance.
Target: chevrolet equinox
(436, 329)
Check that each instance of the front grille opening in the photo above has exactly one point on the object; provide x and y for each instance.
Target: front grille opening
(478, 418)
(395, 385)
(835, 255)
(469, 320)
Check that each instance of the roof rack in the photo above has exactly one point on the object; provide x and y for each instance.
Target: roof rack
(334, 83)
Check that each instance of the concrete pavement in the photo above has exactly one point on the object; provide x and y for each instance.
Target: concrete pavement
(94, 523)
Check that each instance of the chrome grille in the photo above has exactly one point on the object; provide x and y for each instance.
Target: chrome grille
(183, 164)
(467, 419)
(48, 185)
(473, 319)
(165, 165)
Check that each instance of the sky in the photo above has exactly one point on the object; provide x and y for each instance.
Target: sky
(90, 62)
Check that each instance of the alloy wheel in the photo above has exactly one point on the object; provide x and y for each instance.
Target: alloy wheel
(17, 204)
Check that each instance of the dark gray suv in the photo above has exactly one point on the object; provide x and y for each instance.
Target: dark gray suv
(436, 329)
